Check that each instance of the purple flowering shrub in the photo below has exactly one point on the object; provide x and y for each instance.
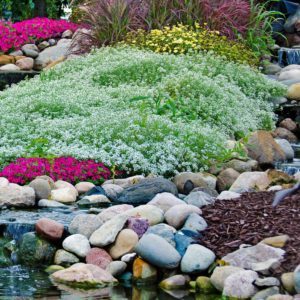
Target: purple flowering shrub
(70, 169)
(14, 36)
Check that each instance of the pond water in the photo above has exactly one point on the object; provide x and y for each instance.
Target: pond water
(20, 283)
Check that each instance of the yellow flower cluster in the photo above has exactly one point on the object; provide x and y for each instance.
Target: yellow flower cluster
(183, 39)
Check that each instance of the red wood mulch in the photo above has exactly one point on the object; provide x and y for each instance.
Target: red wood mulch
(250, 219)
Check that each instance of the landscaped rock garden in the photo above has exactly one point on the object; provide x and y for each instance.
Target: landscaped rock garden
(211, 234)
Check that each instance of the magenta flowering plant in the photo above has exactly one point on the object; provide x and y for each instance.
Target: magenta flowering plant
(70, 169)
(14, 36)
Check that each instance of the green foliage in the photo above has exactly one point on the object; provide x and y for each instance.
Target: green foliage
(182, 39)
(142, 111)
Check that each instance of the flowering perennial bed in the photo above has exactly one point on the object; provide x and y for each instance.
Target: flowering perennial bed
(13, 36)
(142, 111)
(24, 170)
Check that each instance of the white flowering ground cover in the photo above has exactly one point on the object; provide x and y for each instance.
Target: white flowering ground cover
(142, 111)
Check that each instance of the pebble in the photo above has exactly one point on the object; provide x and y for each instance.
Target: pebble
(77, 244)
(158, 251)
(197, 258)
(177, 215)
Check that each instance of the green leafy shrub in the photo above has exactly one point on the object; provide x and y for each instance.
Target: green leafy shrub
(139, 110)
(182, 39)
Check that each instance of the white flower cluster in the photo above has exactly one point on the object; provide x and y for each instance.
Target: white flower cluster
(84, 108)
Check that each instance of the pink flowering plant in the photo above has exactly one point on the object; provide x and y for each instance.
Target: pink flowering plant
(14, 36)
(70, 169)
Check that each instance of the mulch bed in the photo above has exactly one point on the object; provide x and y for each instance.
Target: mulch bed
(250, 219)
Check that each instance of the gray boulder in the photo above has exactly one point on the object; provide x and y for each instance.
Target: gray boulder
(199, 199)
(85, 224)
(14, 195)
(146, 190)
(41, 187)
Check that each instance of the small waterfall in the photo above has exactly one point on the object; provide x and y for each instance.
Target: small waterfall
(289, 56)
(15, 231)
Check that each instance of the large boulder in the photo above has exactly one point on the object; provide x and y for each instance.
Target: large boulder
(251, 257)
(197, 258)
(108, 232)
(84, 276)
(263, 148)
(41, 188)
(157, 251)
(250, 181)
(146, 190)
(85, 224)
(52, 54)
(49, 229)
(14, 195)
(35, 251)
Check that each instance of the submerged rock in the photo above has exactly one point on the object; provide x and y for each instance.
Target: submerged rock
(146, 190)
(84, 276)
(35, 251)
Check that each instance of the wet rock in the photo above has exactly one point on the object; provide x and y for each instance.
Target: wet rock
(165, 231)
(14, 195)
(227, 195)
(84, 186)
(199, 199)
(285, 134)
(110, 212)
(262, 147)
(157, 251)
(124, 182)
(65, 258)
(50, 203)
(112, 191)
(196, 259)
(35, 251)
(174, 282)
(85, 225)
(41, 188)
(49, 229)
(165, 201)
(84, 275)
(143, 272)
(286, 148)
(278, 241)
(226, 178)
(98, 257)
(264, 294)
(194, 223)
(125, 243)
(250, 256)
(138, 225)
(116, 268)
(153, 214)
(240, 285)
(177, 215)
(204, 285)
(220, 274)
(108, 232)
(146, 190)
(187, 181)
(267, 281)
(250, 181)
(288, 282)
(77, 244)
(182, 242)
